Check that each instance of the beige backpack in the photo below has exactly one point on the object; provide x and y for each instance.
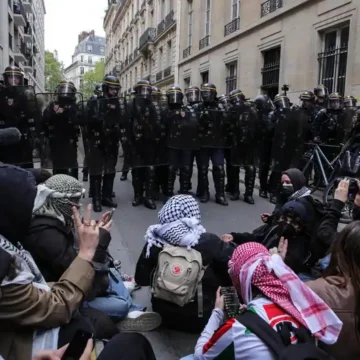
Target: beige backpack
(178, 276)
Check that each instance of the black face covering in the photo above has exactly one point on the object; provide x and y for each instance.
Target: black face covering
(286, 230)
(287, 190)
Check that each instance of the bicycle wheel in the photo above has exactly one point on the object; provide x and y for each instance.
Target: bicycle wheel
(313, 176)
(328, 197)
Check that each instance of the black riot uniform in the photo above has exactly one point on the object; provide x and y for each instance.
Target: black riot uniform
(145, 139)
(214, 138)
(264, 145)
(193, 97)
(60, 124)
(107, 125)
(18, 109)
(308, 113)
(288, 140)
(244, 121)
(98, 93)
(321, 95)
(182, 140)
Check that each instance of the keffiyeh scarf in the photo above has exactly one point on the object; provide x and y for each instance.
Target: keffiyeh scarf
(180, 224)
(304, 191)
(252, 264)
(56, 197)
(26, 272)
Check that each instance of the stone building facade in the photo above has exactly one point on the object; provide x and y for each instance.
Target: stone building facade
(142, 41)
(258, 45)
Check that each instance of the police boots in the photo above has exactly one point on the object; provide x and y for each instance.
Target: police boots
(263, 178)
(149, 189)
(85, 174)
(124, 175)
(96, 192)
(185, 180)
(171, 177)
(219, 181)
(250, 174)
(204, 184)
(107, 191)
(138, 187)
(234, 181)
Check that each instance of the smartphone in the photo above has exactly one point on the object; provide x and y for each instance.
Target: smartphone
(231, 301)
(110, 215)
(77, 345)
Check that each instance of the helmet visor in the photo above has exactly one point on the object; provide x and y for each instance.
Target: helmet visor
(322, 92)
(282, 103)
(13, 79)
(193, 96)
(208, 95)
(175, 97)
(335, 104)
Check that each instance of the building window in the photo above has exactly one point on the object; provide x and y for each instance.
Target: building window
(169, 53)
(333, 59)
(102, 50)
(82, 70)
(135, 75)
(205, 77)
(208, 16)
(82, 58)
(162, 9)
(160, 59)
(131, 83)
(231, 79)
(271, 72)
(89, 48)
(187, 83)
(190, 21)
(235, 9)
(90, 60)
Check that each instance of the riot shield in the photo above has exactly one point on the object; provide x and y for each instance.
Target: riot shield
(146, 135)
(246, 134)
(108, 125)
(288, 141)
(18, 109)
(61, 149)
(214, 128)
(183, 129)
(346, 123)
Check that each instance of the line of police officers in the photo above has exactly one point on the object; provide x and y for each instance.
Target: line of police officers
(161, 136)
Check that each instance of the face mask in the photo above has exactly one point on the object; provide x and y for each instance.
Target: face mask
(287, 190)
(286, 230)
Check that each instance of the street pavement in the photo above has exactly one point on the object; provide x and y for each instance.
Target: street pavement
(130, 224)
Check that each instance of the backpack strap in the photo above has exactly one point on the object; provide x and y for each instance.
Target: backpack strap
(263, 331)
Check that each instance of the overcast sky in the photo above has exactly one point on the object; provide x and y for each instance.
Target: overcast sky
(65, 19)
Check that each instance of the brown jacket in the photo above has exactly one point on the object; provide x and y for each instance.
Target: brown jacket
(24, 308)
(342, 301)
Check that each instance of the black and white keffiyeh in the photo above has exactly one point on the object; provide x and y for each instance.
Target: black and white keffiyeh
(304, 191)
(180, 224)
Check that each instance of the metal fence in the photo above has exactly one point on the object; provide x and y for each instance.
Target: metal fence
(232, 27)
(270, 6)
(204, 42)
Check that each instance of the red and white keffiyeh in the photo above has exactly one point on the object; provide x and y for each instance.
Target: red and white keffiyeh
(252, 264)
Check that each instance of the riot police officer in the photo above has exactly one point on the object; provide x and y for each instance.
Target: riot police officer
(61, 128)
(224, 100)
(182, 130)
(16, 111)
(214, 134)
(321, 93)
(108, 120)
(144, 145)
(264, 106)
(308, 113)
(244, 129)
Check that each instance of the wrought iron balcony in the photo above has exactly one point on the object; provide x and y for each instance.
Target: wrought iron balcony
(204, 42)
(232, 27)
(187, 52)
(159, 76)
(270, 6)
(148, 36)
(166, 23)
(167, 72)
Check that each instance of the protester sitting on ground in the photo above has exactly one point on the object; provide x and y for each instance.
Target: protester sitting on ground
(179, 237)
(339, 287)
(30, 311)
(294, 221)
(125, 346)
(52, 220)
(271, 290)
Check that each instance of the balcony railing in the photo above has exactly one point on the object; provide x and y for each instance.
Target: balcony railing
(232, 27)
(166, 23)
(271, 73)
(19, 9)
(159, 76)
(28, 29)
(10, 42)
(204, 42)
(167, 72)
(270, 6)
(148, 36)
(187, 52)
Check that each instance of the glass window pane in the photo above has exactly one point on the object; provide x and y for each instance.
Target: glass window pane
(330, 40)
(344, 38)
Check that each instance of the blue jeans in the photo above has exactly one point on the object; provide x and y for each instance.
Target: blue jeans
(118, 302)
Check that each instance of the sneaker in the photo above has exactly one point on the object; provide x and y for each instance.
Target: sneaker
(130, 286)
(140, 321)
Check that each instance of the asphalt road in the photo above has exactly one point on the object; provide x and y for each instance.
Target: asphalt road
(130, 224)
